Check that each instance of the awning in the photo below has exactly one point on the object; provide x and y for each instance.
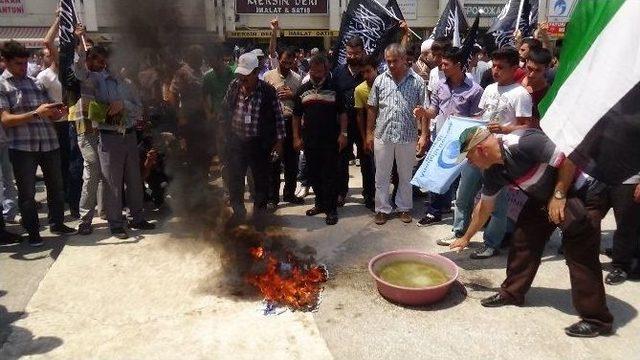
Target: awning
(30, 37)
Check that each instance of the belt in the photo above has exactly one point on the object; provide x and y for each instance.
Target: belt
(116, 132)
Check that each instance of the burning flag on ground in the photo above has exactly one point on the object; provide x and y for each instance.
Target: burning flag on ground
(285, 280)
(592, 110)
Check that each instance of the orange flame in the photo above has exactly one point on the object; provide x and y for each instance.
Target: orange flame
(298, 289)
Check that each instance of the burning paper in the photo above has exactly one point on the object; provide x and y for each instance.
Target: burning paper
(287, 281)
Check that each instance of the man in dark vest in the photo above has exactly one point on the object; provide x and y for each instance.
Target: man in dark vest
(255, 131)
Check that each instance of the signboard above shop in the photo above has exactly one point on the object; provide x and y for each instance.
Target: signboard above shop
(261, 34)
(271, 7)
(485, 10)
(11, 7)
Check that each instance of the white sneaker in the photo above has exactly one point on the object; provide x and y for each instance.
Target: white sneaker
(303, 191)
(484, 252)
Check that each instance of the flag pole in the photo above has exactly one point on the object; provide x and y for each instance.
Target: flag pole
(395, 17)
(519, 15)
(75, 13)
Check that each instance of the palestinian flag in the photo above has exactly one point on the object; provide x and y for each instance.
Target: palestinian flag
(592, 111)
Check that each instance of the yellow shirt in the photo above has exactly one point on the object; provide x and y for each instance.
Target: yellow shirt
(361, 94)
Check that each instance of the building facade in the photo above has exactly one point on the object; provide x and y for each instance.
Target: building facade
(208, 20)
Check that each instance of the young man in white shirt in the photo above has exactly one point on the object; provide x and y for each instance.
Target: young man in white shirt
(507, 107)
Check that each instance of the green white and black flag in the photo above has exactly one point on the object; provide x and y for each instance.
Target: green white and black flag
(592, 111)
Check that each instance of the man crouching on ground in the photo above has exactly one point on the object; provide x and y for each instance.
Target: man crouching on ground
(530, 161)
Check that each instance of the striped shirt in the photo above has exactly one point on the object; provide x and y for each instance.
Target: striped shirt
(320, 105)
(19, 96)
(395, 103)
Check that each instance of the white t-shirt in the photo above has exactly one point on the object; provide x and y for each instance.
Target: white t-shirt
(479, 70)
(635, 179)
(503, 104)
(435, 76)
(49, 80)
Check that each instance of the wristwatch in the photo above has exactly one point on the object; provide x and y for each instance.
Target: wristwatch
(344, 133)
(558, 194)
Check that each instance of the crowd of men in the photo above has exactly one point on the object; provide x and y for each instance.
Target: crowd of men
(129, 133)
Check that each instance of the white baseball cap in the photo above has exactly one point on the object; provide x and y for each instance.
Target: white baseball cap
(257, 52)
(426, 45)
(247, 63)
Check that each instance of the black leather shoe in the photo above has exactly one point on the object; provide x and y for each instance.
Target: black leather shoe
(9, 237)
(587, 329)
(85, 229)
(314, 211)
(331, 219)
(616, 277)
(142, 225)
(35, 240)
(120, 233)
(292, 199)
(62, 229)
(496, 301)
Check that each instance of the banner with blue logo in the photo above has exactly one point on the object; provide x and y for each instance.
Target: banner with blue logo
(439, 168)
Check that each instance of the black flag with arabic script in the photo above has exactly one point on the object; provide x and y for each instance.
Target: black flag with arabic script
(446, 25)
(470, 41)
(371, 22)
(504, 27)
(68, 22)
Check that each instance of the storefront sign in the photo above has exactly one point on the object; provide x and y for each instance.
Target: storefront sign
(409, 9)
(485, 10)
(310, 33)
(559, 11)
(246, 34)
(556, 30)
(261, 34)
(11, 7)
(282, 7)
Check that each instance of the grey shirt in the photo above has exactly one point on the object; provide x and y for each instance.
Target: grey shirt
(395, 103)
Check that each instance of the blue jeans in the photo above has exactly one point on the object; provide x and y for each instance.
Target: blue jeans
(8, 190)
(439, 202)
(470, 184)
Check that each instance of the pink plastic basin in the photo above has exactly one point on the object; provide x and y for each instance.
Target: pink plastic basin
(413, 296)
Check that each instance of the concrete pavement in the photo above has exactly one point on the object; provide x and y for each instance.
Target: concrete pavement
(159, 295)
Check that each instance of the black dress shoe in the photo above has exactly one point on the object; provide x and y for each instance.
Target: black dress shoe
(292, 199)
(142, 225)
(314, 211)
(35, 240)
(120, 233)
(9, 237)
(62, 229)
(587, 329)
(331, 219)
(616, 277)
(85, 229)
(496, 301)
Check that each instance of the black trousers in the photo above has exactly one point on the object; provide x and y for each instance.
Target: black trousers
(626, 211)
(322, 167)
(242, 155)
(62, 130)
(25, 164)
(76, 167)
(581, 243)
(367, 166)
(288, 160)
